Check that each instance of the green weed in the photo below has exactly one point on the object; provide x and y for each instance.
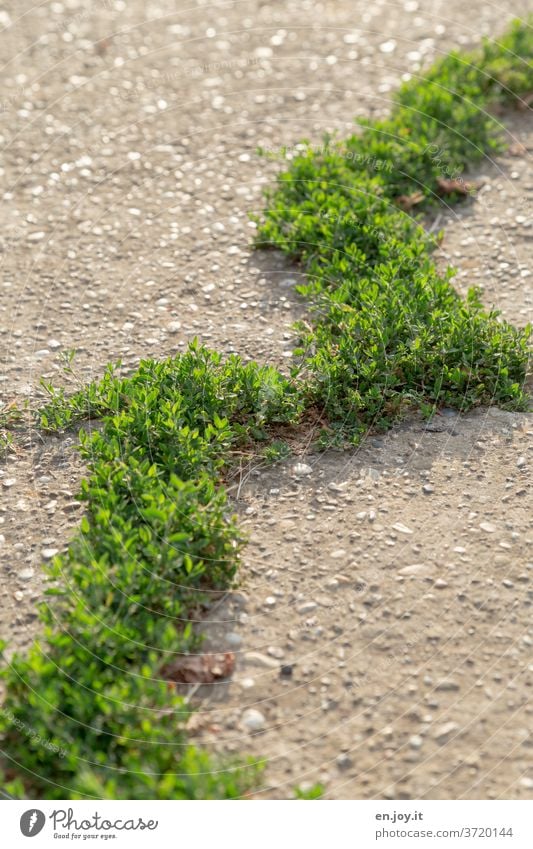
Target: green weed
(388, 330)
(157, 537)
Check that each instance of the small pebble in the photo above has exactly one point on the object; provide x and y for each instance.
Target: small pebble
(233, 639)
(307, 607)
(302, 469)
(447, 685)
(275, 651)
(253, 720)
(444, 732)
(402, 529)
(344, 761)
(258, 659)
(416, 569)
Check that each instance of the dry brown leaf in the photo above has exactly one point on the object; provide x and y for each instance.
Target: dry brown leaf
(200, 668)
(460, 187)
(408, 201)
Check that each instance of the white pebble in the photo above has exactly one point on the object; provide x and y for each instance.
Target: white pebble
(253, 720)
(307, 607)
(302, 469)
(402, 529)
(444, 732)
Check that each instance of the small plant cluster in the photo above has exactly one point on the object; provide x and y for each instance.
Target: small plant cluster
(388, 329)
(156, 540)
(157, 537)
